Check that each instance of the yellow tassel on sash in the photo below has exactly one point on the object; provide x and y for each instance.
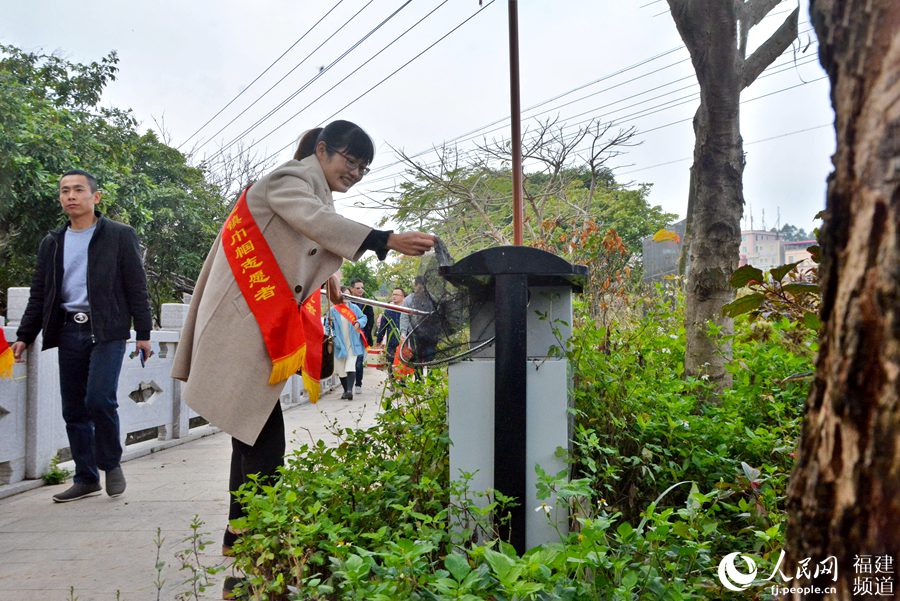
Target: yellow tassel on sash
(285, 367)
(313, 387)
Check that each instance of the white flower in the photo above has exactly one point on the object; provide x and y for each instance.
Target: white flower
(673, 336)
(544, 507)
(705, 377)
(665, 351)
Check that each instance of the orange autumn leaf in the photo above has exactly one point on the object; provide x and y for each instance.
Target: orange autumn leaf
(666, 236)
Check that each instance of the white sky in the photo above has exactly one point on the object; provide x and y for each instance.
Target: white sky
(181, 61)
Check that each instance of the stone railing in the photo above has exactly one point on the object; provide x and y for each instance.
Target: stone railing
(32, 430)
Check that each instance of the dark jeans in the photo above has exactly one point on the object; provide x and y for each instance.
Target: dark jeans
(88, 379)
(360, 360)
(262, 458)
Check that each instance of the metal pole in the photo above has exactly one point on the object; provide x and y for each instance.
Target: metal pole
(510, 407)
(516, 118)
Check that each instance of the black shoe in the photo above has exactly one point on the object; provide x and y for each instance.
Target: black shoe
(344, 395)
(115, 482)
(231, 583)
(228, 542)
(79, 490)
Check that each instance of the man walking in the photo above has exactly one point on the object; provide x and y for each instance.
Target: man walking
(88, 286)
(389, 327)
(357, 288)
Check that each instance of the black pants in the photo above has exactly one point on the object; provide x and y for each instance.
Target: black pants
(262, 458)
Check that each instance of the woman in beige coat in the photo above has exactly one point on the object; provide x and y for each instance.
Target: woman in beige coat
(222, 357)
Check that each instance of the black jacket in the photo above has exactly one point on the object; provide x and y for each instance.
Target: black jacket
(117, 287)
(370, 322)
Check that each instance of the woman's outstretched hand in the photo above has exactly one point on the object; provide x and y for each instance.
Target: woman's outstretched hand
(411, 243)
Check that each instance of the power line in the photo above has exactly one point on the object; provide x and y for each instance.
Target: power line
(400, 68)
(760, 141)
(309, 82)
(320, 96)
(481, 130)
(779, 68)
(266, 70)
(621, 120)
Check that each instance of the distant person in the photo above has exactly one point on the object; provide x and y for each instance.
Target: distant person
(88, 287)
(348, 321)
(418, 328)
(226, 350)
(389, 327)
(358, 288)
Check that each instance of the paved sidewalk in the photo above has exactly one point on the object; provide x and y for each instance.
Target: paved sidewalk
(105, 548)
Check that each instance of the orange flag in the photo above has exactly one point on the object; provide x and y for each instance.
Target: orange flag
(6, 357)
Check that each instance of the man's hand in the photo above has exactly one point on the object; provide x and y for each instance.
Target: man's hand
(18, 348)
(411, 243)
(144, 345)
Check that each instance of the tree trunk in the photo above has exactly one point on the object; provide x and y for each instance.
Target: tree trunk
(716, 199)
(844, 494)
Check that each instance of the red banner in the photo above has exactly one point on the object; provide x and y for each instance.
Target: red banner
(269, 296)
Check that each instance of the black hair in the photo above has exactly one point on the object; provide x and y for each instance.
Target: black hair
(400, 288)
(354, 280)
(91, 180)
(338, 135)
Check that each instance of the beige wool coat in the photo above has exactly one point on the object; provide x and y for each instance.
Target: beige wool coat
(221, 356)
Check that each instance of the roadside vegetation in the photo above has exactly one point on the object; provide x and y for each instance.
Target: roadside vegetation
(666, 478)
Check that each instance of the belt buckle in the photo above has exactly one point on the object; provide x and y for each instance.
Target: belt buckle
(80, 317)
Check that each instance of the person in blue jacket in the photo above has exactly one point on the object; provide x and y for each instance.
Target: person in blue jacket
(348, 344)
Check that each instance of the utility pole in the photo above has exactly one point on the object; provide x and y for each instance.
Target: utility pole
(516, 120)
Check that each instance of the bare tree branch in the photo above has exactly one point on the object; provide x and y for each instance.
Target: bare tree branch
(770, 49)
(755, 11)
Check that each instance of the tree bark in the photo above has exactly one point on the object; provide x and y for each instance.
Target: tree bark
(715, 33)
(844, 494)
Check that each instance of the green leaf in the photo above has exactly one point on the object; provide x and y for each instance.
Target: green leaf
(801, 288)
(811, 321)
(457, 565)
(815, 252)
(743, 304)
(779, 272)
(501, 565)
(744, 275)
(629, 580)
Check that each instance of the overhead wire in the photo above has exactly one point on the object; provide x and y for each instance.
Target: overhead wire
(257, 78)
(308, 83)
(320, 96)
(751, 143)
(640, 114)
(241, 136)
(785, 66)
(394, 72)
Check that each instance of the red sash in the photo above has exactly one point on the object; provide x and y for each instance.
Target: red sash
(6, 357)
(350, 316)
(284, 329)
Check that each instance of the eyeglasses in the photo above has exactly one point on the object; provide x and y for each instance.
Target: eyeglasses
(353, 164)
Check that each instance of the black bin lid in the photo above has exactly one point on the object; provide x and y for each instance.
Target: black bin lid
(542, 268)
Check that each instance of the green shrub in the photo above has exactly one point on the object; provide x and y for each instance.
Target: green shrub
(663, 482)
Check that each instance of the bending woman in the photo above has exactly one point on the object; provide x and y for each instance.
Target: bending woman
(224, 356)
